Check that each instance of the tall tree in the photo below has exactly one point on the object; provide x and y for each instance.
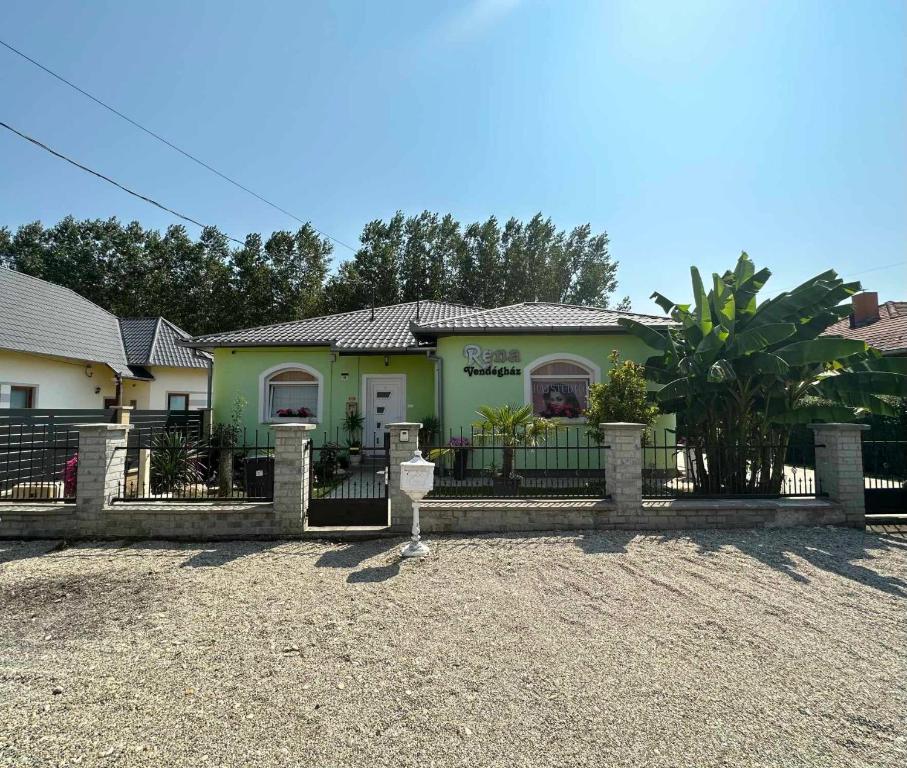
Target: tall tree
(420, 234)
(206, 284)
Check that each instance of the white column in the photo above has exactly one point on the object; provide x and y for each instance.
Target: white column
(839, 468)
(102, 464)
(623, 464)
(292, 465)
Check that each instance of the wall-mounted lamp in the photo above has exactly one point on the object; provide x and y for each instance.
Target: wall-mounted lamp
(387, 360)
(89, 371)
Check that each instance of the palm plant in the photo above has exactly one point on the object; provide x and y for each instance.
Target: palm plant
(510, 428)
(352, 425)
(175, 462)
(741, 374)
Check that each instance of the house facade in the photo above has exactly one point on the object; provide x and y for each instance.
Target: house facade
(59, 350)
(416, 362)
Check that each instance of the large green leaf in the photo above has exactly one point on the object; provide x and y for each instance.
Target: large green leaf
(788, 306)
(821, 350)
(869, 382)
(745, 294)
(710, 346)
(820, 321)
(761, 364)
(812, 413)
(676, 389)
(701, 299)
(723, 303)
(744, 269)
(759, 339)
(663, 301)
(866, 401)
(655, 339)
(721, 371)
(876, 362)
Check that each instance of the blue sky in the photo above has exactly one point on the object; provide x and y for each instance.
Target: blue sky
(689, 131)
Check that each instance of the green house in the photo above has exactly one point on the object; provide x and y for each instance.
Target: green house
(412, 361)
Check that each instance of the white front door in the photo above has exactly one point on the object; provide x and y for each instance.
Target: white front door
(385, 403)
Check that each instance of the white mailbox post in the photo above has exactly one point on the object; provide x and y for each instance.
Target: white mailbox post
(417, 478)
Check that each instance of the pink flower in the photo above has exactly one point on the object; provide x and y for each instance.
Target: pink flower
(71, 476)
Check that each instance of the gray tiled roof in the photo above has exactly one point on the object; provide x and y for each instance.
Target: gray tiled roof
(47, 319)
(154, 341)
(388, 331)
(536, 317)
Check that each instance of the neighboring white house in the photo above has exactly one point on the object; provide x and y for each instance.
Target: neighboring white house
(59, 350)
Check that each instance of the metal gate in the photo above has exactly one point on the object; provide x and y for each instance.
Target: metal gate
(347, 491)
(885, 477)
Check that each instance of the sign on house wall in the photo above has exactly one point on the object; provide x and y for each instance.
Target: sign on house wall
(566, 398)
(491, 362)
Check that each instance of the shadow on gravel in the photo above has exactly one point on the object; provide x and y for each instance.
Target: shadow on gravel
(352, 554)
(227, 552)
(10, 551)
(609, 543)
(374, 574)
(832, 550)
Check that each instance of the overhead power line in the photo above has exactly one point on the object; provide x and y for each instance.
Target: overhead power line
(851, 274)
(109, 180)
(173, 146)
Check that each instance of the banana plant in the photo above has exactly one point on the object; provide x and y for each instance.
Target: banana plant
(741, 373)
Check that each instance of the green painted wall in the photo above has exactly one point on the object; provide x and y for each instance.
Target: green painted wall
(237, 372)
(462, 394)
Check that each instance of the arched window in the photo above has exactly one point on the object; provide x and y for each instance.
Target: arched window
(291, 393)
(558, 387)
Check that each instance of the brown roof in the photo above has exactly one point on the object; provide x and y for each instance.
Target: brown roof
(887, 334)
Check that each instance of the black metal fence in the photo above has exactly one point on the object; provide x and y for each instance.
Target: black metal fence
(567, 462)
(38, 462)
(180, 463)
(676, 467)
(39, 447)
(885, 476)
(348, 484)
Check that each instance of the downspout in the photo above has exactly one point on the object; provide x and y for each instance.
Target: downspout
(439, 391)
(210, 402)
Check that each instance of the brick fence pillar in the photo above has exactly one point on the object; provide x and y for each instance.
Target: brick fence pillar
(292, 465)
(401, 450)
(102, 465)
(623, 464)
(839, 468)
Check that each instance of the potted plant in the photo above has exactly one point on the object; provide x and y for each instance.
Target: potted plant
(289, 413)
(509, 428)
(460, 446)
(431, 426)
(352, 425)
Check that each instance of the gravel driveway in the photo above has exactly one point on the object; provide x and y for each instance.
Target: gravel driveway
(717, 648)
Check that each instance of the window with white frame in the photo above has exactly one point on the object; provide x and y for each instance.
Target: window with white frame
(560, 389)
(292, 394)
(21, 396)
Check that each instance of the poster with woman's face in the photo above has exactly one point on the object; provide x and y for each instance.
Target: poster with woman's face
(560, 398)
